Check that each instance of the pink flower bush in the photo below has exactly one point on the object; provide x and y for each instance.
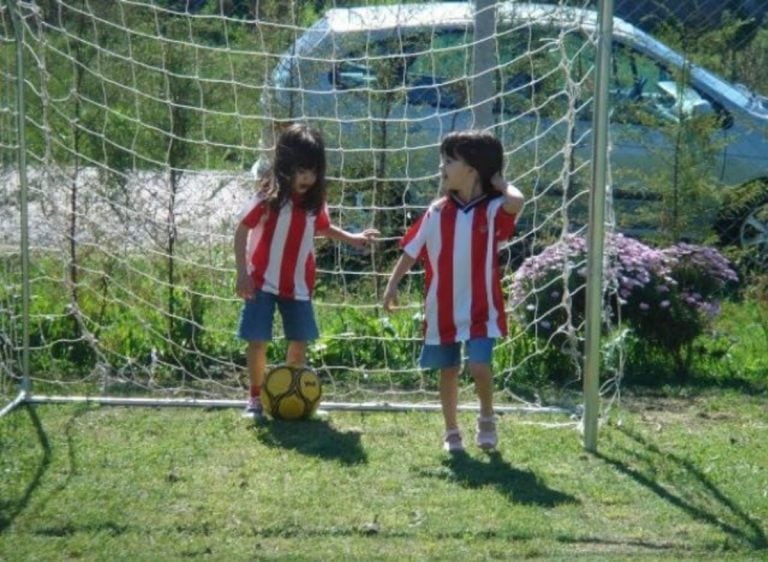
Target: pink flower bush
(666, 296)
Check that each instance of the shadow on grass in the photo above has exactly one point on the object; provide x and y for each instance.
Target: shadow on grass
(10, 508)
(314, 437)
(686, 487)
(520, 486)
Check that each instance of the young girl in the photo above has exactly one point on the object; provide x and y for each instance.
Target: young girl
(274, 252)
(458, 238)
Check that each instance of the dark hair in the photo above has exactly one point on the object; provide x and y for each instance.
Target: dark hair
(299, 147)
(481, 150)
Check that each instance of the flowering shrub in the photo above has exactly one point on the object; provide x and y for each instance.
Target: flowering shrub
(547, 291)
(666, 296)
(677, 313)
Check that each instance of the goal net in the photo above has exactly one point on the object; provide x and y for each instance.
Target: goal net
(145, 121)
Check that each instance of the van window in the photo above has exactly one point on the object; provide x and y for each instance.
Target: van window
(645, 92)
(438, 76)
(433, 66)
(541, 68)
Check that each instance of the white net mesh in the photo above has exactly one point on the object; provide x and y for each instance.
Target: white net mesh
(143, 119)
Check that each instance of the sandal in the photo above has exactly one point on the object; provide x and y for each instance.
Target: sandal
(452, 441)
(486, 437)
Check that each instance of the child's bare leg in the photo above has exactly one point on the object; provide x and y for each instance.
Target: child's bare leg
(485, 437)
(483, 377)
(449, 396)
(256, 363)
(449, 399)
(297, 353)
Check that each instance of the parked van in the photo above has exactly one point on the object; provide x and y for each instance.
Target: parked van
(386, 83)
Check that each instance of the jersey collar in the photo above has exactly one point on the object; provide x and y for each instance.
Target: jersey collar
(469, 205)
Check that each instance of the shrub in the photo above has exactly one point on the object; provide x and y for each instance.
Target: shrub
(672, 315)
(666, 296)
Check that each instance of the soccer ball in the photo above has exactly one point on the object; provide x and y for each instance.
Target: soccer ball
(291, 393)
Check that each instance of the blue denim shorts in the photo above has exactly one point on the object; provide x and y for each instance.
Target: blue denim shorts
(443, 356)
(258, 314)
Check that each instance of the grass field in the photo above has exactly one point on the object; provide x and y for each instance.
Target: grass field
(674, 478)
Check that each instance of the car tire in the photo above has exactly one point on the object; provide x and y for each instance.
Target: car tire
(753, 237)
(743, 222)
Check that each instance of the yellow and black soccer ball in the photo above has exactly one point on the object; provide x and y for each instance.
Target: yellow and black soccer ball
(291, 393)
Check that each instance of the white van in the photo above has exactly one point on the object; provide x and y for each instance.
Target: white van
(386, 83)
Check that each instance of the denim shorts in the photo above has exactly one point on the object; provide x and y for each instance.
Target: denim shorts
(443, 356)
(258, 314)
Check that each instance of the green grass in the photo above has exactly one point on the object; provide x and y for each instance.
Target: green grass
(673, 479)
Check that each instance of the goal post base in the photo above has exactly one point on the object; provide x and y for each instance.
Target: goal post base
(327, 406)
(20, 399)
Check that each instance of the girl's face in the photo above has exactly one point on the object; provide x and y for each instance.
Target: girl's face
(456, 175)
(303, 181)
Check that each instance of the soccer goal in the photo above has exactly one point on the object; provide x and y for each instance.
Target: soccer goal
(143, 123)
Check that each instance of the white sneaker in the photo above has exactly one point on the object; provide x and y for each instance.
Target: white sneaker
(486, 437)
(452, 441)
(254, 410)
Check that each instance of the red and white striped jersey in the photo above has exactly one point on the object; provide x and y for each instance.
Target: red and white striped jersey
(281, 247)
(458, 244)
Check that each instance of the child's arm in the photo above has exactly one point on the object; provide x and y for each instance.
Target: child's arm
(513, 198)
(403, 265)
(359, 239)
(244, 283)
